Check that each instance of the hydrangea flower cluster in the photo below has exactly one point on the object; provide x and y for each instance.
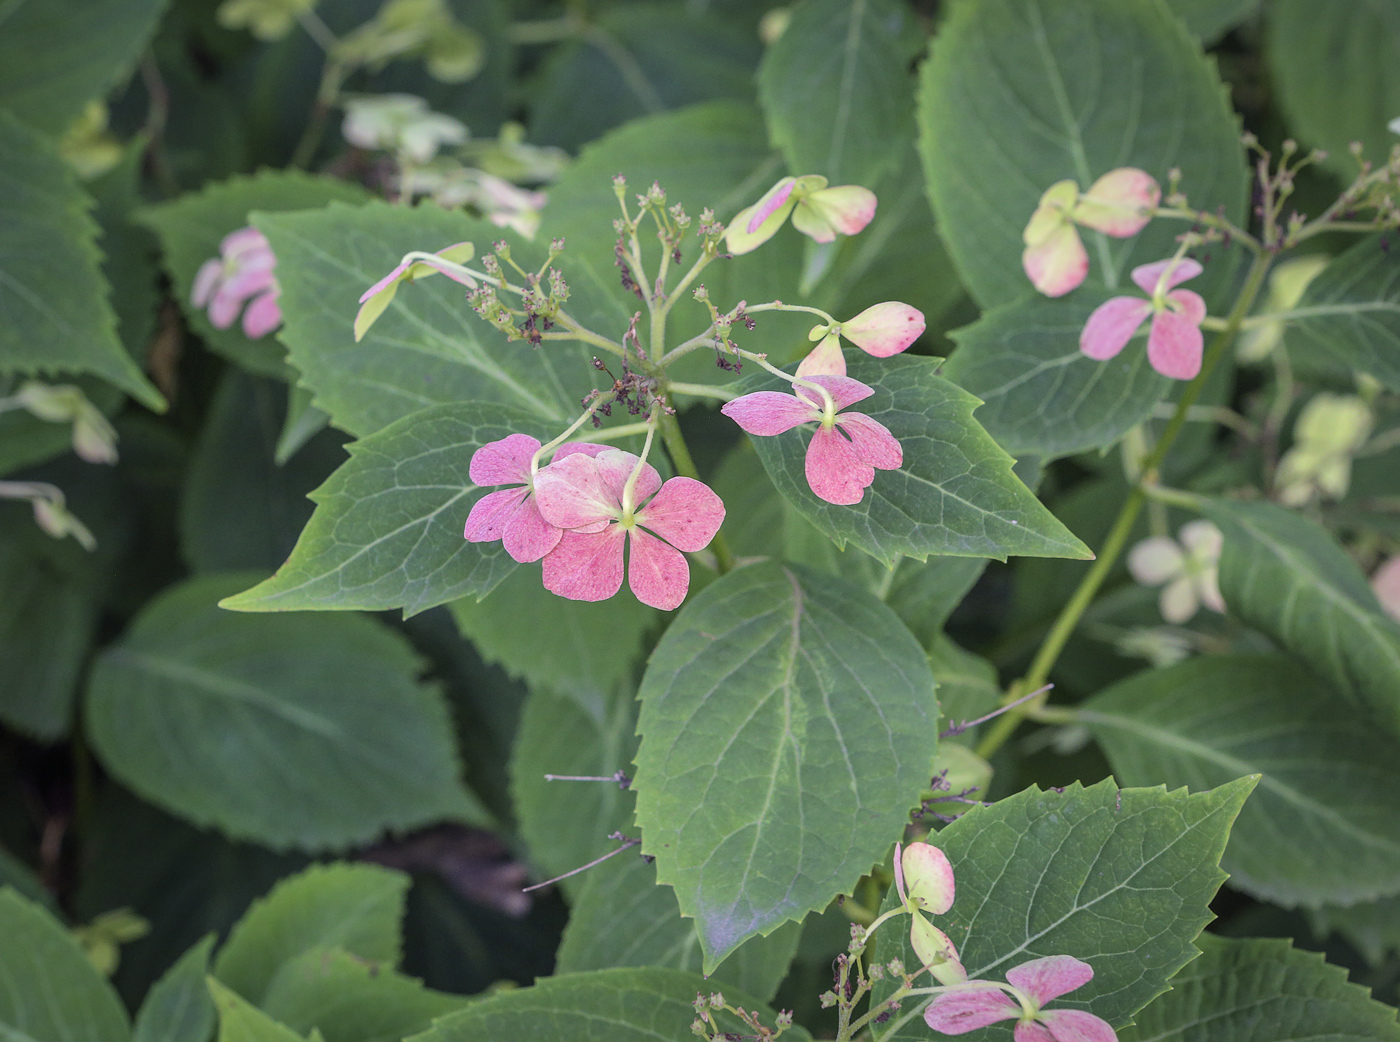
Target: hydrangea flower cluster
(241, 274)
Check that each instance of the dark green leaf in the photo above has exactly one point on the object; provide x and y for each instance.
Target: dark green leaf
(1372, 927)
(128, 250)
(788, 725)
(178, 1008)
(967, 684)
(1323, 826)
(1351, 312)
(1020, 94)
(294, 730)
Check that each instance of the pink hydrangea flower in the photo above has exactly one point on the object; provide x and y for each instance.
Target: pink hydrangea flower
(881, 330)
(929, 878)
(1174, 344)
(511, 514)
(819, 212)
(586, 496)
(1033, 984)
(1386, 584)
(1117, 204)
(379, 296)
(241, 274)
(846, 448)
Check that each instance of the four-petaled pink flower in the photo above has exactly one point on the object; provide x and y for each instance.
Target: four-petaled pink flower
(846, 448)
(378, 297)
(587, 496)
(1174, 344)
(511, 514)
(881, 330)
(978, 1003)
(1118, 204)
(819, 212)
(242, 273)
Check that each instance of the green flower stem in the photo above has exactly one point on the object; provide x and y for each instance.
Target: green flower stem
(690, 276)
(1083, 596)
(674, 441)
(724, 394)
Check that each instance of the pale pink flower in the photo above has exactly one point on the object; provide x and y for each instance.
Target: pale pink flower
(1119, 204)
(819, 212)
(241, 274)
(1187, 570)
(1386, 583)
(374, 300)
(929, 878)
(980, 1003)
(586, 496)
(511, 514)
(846, 448)
(881, 330)
(1174, 343)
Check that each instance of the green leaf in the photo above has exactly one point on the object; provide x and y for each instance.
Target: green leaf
(349, 999)
(57, 315)
(1306, 45)
(836, 90)
(49, 992)
(1372, 927)
(357, 907)
(1262, 988)
(55, 55)
(429, 347)
(620, 1005)
(387, 529)
(955, 493)
(1323, 826)
(128, 250)
(241, 1021)
(566, 824)
(1040, 393)
(621, 917)
(1020, 94)
(591, 646)
(967, 685)
(1286, 576)
(26, 882)
(178, 1008)
(924, 593)
(307, 731)
(302, 423)
(191, 227)
(1121, 879)
(1351, 312)
(788, 725)
(1210, 19)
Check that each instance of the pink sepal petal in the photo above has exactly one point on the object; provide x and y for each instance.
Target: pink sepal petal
(1076, 1025)
(247, 281)
(1051, 213)
(1114, 204)
(503, 462)
(885, 329)
(1058, 263)
(1146, 276)
(844, 391)
(1188, 304)
(1030, 1031)
(263, 315)
(658, 574)
(766, 413)
(1112, 325)
(1050, 977)
(1175, 345)
(587, 448)
(489, 515)
(872, 440)
(769, 204)
(223, 309)
(899, 874)
(929, 877)
(835, 471)
(573, 494)
(968, 1008)
(385, 282)
(206, 280)
(586, 567)
(825, 359)
(844, 210)
(615, 466)
(1386, 584)
(243, 240)
(528, 536)
(686, 513)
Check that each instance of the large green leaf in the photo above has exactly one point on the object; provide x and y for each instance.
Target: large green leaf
(241, 1021)
(1351, 311)
(52, 293)
(1209, 19)
(191, 227)
(387, 530)
(1323, 826)
(1262, 988)
(955, 493)
(1122, 879)
(49, 992)
(788, 725)
(57, 54)
(621, 917)
(1040, 393)
(178, 1008)
(306, 731)
(1307, 44)
(1372, 927)
(1020, 94)
(1286, 576)
(428, 347)
(619, 1005)
(967, 684)
(836, 89)
(357, 908)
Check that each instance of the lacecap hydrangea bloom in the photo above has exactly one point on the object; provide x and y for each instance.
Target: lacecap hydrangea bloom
(241, 274)
(1118, 204)
(817, 211)
(978, 1004)
(881, 331)
(1174, 341)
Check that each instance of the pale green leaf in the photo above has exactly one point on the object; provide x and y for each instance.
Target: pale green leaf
(241, 1021)
(1350, 313)
(178, 1007)
(308, 731)
(788, 725)
(1323, 827)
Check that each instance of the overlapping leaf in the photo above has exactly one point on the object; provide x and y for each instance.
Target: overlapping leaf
(1351, 311)
(788, 725)
(178, 1007)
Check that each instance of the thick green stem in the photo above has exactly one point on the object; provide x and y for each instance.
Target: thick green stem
(679, 452)
(1089, 586)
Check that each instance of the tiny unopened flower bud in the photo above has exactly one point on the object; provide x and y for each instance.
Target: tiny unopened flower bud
(698, 1028)
(717, 1000)
(619, 186)
(784, 1019)
(827, 999)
